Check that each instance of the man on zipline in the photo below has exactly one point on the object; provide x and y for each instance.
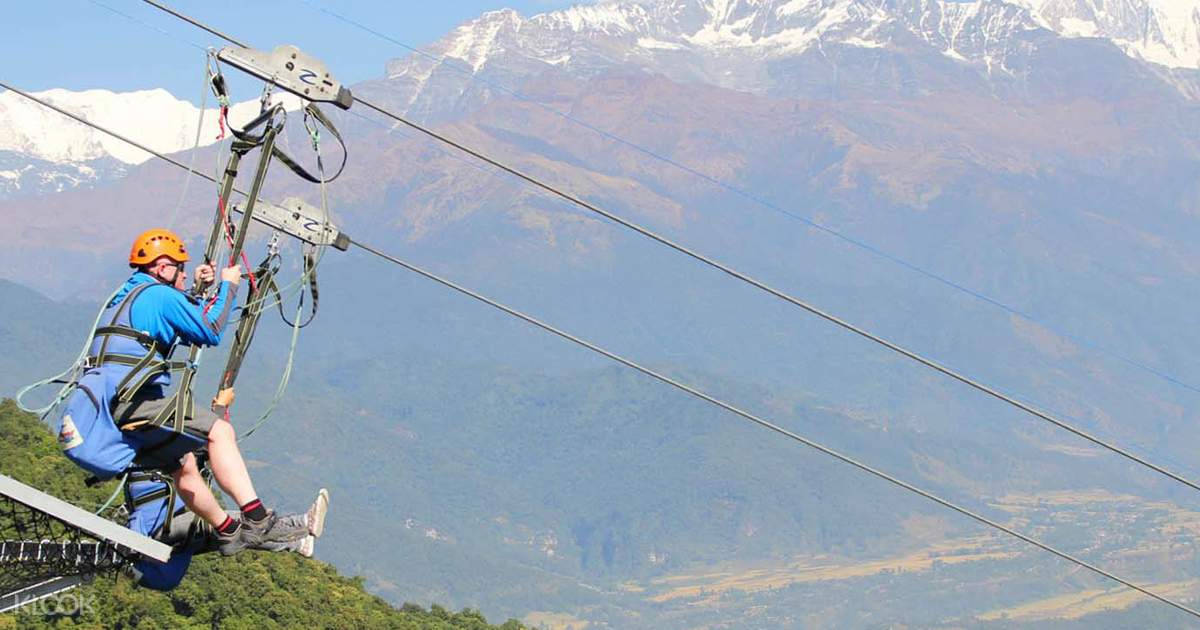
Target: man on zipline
(150, 429)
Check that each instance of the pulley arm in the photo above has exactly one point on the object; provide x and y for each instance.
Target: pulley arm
(238, 150)
(290, 69)
(256, 302)
(300, 219)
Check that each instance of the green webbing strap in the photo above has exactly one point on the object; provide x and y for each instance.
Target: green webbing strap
(169, 492)
(121, 359)
(148, 498)
(125, 331)
(116, 316)
(244, 140)
(256, 303)
(182, 409)
(149, 365)
(315, 112)
(169, 412)
(175, 412)
(310, 270)
(156, 370)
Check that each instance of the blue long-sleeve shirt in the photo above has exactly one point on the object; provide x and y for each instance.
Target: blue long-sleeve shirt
(171, 316)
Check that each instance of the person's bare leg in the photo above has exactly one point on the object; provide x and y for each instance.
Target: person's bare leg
(196, 494)
(227, 464)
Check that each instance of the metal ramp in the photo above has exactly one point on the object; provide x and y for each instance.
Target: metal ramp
(48, 546)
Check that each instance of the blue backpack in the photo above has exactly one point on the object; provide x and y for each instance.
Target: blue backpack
(122, 362)
(87, 432)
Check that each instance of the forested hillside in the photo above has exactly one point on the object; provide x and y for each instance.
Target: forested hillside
(252, 590)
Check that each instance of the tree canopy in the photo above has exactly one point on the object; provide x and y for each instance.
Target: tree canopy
(252, 590)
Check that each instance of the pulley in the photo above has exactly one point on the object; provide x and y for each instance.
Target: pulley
(290, 69)
(300, 219)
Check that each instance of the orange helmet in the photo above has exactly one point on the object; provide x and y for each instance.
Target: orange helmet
(153, 244)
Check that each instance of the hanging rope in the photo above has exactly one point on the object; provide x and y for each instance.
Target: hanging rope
(67, 377)
(310, 270)
(187, 181)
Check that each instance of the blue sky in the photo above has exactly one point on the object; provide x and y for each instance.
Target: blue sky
(79, 44)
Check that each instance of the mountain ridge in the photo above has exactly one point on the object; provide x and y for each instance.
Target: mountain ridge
(737, 44)
(1166, 32)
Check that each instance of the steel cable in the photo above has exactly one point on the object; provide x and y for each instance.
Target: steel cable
(862, 332)
(762, 422)
(443, 61)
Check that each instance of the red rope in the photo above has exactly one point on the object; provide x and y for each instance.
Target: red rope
(229, 239)
(221, 122)
(250, 274)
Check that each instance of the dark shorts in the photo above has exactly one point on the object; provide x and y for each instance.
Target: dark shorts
(144, 409)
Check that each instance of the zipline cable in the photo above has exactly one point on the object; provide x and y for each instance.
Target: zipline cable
(1143, 450)
(444, 61)
(145, 24)
(767, 424)
(862, 332)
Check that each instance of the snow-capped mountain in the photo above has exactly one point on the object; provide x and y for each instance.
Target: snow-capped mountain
(24, 174)
(791, 47)
(43, 151)
(731, 43)
(1165, 32)
(821, 48)
(153, 117)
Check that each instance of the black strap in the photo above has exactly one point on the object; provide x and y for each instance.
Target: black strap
(310, 269)
(168, 491)
(125, 331)
(138, 502)
(92, 397)
(148, 366)
(249, 141)
(244, 140)
(248, 322)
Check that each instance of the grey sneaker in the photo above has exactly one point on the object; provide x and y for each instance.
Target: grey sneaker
(316, 514)
(303, 546)
(273, 529)
(234, 543)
